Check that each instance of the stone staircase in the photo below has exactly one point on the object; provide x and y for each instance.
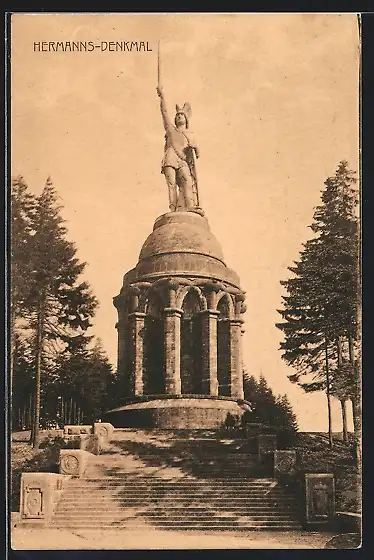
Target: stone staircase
(169, 480)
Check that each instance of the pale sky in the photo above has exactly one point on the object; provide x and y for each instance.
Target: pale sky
(274, 109)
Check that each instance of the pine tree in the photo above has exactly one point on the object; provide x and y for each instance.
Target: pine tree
(269, 410)
(58, 304)
(85, 376)
(321, 306)
(21, 233)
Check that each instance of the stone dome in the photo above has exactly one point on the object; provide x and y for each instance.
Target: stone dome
(181, 232)
(181, 244)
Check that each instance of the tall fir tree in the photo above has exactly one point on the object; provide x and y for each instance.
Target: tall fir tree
(57, 303)
(320, 310)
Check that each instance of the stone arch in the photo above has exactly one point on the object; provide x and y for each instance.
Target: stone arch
(153, 343)
(225, 305)
(192, 303)
(183, 292)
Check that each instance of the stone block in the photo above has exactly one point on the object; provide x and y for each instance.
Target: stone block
(284, 462)
(267, 444)
(104, 430)
(76, 429)
(40, 493)
(319, 499)
(73, 462)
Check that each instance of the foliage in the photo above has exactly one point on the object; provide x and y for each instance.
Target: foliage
(51, 306)
(320, 310)
(269, 410)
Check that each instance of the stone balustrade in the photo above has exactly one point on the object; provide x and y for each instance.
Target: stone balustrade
(77, 429)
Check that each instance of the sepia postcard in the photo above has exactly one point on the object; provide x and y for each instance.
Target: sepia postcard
(185, 338)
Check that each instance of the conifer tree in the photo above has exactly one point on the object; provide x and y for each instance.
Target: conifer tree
(57, 303)
(320, 310)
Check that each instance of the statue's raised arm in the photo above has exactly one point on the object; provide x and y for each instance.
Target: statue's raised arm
(165, 117)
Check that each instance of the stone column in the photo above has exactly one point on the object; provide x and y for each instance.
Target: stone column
(120, 326)
(236, 372)
(172, 324)
(209, 352)
(137, 351)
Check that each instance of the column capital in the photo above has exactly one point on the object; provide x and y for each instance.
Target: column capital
(173, 311)
(210, 312)
(137, 314)
(236, 322)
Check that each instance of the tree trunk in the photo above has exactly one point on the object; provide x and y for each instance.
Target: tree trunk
(356, 401)
(328, 394)
(12, 350)
(30, 419)
(39, 353)
(343, 404)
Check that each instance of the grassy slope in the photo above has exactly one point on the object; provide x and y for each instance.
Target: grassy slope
(314, 456)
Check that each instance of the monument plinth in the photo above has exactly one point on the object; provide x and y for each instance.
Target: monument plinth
(179, 330)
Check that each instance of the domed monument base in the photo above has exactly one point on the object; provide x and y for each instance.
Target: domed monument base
(178, 413)
(179, 331)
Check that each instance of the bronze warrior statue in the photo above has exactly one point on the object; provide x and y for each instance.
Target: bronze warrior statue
(178, 163)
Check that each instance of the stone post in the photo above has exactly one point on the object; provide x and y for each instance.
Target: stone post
(209, 352)
(137, 350)
(172, 325)
(319, 499)
(236, 372)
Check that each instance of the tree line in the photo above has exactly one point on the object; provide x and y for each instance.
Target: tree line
(57, 370)
(321, 307)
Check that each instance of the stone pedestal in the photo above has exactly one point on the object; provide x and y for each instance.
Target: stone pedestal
(209, 352)
(40, 493)
(173, 351)
(137, 351)
(104, 430)
(284, 462)
(73, 462)
(319, 499)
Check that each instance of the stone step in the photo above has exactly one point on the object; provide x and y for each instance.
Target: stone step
(208, 493)
(182, 480)
(182, 509)
(196, 519)
(175, 484)
(218, 527)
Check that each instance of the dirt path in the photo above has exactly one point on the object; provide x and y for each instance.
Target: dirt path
(56, 539)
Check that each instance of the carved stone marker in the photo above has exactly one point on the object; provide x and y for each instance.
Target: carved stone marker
(104, 430)
(40, 493)
(284, 462)
(320, 498)
(73, 462)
